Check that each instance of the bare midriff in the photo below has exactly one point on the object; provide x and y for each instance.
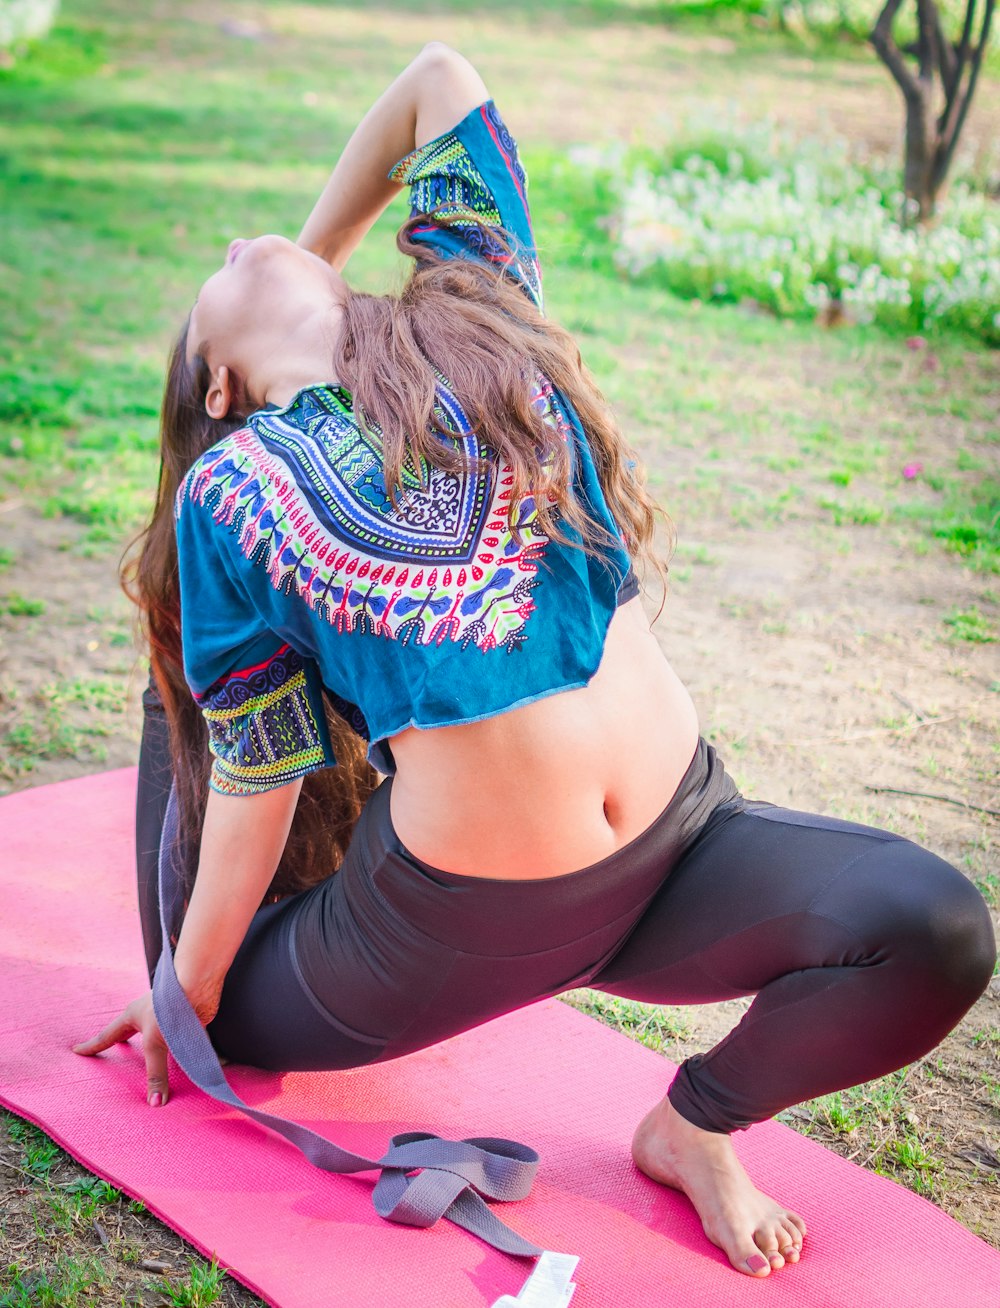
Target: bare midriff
(558, 784)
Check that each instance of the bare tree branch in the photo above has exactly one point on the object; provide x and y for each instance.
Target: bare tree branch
(948, 61)
(962, 51)
(889, 52)
(959, 108)
(964, 44)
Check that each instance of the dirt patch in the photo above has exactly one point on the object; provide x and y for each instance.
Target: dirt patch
(69, 675)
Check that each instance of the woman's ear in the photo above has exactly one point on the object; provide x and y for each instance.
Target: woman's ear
(220, 393)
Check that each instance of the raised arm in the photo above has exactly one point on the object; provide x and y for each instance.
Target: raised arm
(431, 95)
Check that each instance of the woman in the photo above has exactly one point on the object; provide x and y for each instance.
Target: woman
(419, 510)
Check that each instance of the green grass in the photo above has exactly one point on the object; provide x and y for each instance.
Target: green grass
(652, 1025)
(116, 211)
(877, 1120)
(20, 606)
(38, 1152)
(970, 625)
(201, 1289)
(69, 1282)
(44, 726)
(988, 885)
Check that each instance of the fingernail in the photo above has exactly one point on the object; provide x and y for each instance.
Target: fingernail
(155, 1099)
(756, 1262)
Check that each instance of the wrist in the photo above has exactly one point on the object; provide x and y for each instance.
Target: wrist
(204, 1002)
(203, 991)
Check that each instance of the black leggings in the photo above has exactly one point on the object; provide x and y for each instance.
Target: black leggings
(863, 949)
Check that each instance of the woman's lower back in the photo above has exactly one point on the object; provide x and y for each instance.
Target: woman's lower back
(558, 784)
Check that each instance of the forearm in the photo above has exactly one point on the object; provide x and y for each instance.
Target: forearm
(241, 845)
(431, 95)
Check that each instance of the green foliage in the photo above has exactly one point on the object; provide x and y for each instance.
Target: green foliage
(38, 1152)
(46, 726)
(736, 211)
(988, 886)
(201, 1289)
(70, 1282)
(856, 512)
(79, 1200)
(19, 606)
(876, 1117)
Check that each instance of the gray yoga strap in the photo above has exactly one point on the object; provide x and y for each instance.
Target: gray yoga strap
(452, 1176)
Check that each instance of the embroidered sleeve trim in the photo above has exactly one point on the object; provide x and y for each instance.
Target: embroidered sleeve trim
(446, 185)
(262, 727)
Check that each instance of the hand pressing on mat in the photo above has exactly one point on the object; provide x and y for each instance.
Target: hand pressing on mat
(241, 843)
(137, 1019)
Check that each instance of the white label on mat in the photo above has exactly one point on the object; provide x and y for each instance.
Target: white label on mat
(548, 1286)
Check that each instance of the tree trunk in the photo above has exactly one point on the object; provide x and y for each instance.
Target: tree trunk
(919, 182)
(931, 137)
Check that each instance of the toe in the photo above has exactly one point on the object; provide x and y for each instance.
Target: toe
(790, 1241)
(797, 1225)
(756, 1264)
(766, 1240)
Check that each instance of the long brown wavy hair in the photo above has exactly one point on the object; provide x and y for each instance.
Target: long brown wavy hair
(456, 319)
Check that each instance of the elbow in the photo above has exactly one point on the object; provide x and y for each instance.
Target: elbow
(438, 52)
(443, 59)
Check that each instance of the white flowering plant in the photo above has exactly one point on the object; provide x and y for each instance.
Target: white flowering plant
(735, 211)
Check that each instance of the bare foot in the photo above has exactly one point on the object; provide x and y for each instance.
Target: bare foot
(757, 1235)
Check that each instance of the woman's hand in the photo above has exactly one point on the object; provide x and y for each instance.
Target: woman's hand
(137, 1019)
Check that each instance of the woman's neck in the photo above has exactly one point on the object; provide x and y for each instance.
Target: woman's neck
(302, 357)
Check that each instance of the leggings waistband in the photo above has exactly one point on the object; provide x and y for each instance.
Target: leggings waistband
(505, 917)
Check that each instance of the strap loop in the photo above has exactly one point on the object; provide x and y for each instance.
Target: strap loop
(452, 1176)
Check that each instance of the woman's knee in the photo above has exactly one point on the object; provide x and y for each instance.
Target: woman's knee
(963, 933)
(913, 908)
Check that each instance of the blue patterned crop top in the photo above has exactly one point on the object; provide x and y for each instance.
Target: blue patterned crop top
(299, 578)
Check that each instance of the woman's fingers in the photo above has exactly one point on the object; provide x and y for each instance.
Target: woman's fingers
(155, 1052)
(117, 1033)
(139, 1018)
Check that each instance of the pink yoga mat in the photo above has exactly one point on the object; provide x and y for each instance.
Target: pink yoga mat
(70, 958)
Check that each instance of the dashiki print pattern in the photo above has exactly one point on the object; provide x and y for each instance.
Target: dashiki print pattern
(262, 730)
(454, 560)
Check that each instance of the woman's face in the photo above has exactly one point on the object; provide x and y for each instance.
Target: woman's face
(245, 311)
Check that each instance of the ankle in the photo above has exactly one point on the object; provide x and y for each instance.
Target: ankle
(669, 1120)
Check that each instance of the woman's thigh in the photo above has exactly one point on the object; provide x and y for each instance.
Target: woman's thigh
(771, 892)
(268, 1018)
